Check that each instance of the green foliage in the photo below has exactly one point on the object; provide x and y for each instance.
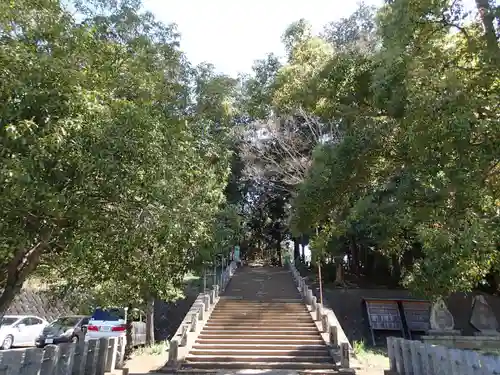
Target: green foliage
(120, 167)
(411, 167)
(109, 178)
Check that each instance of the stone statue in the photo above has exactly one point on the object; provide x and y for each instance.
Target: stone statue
(483, 318)
(441, 318)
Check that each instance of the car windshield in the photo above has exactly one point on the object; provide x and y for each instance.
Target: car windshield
(111, 314)
(65, 321)
(6, 321)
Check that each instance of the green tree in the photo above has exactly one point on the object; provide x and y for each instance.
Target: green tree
(103, 158)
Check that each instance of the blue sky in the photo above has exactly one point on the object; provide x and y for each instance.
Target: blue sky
(231, 34)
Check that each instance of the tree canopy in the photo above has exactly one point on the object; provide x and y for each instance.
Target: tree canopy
(113, 171)
(123, 166)
(405, 172)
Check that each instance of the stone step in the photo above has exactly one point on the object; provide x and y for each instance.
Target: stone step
(258, 319)
(323, 352)
(320, 371)
(258, 335)
(251, 320)
(252, 341)
(258, 358)
(266, 324)
(269, 308)
(259, 346)
(259, 313)
(242, 304)
(264, 320)
(277, 326)
(237, 303)
(254, 311)
(259, 365)
(257, 332)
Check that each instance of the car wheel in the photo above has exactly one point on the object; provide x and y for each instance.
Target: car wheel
(7, 342)
(74, 339)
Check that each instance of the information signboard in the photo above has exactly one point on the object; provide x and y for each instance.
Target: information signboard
(417, 315)
(383, 315)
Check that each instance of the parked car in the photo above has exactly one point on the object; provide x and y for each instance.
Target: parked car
(63, 329)
(111, 322)
(20, 330)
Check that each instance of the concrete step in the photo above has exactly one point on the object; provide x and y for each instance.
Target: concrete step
(258, 358)
(297, 307)
(258, 332)
(260, 313)
(260, 323)
(297, 302)
(252, 320)
(264, 319)
(255, 311)
(252, 341)
(258, 335)
(259, 346)
(278, 326)
(263, 312)
(259, 365)
(252, 351)
(298, 322)
(240, 302)
(276, 371)
(269, 305)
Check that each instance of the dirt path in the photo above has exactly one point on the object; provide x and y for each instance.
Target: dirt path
(147, 360)
(370, 363)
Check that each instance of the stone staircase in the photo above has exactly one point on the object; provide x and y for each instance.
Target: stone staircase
(260, 323)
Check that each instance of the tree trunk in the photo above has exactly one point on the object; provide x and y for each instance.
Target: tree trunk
(339, 271)
(150, 315)
(278, 249)
(395, 268)
(354, 256)
(488, 20)
(296, 249)
(130, 343)
(18, 269)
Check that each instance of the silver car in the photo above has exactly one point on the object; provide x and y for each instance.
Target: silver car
(20, 330)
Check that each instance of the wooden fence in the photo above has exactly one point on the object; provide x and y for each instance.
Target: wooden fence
(94, 357)
(417, 358)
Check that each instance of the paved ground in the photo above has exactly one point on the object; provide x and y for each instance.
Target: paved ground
(252, 284)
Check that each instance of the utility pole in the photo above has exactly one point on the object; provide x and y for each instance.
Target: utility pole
(215, 270)
(204, 279)
(319, 277)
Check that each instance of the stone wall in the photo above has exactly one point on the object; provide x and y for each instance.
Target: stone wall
(38, 302)
(348, 307)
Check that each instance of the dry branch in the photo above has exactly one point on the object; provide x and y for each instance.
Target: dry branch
(279, 150)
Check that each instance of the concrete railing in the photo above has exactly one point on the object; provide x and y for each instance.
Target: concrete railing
(417, 358)
(197, 316)
(94, 357)
(327, 323)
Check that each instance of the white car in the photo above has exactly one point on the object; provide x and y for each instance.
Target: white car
(20, 330)
(112, 322)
